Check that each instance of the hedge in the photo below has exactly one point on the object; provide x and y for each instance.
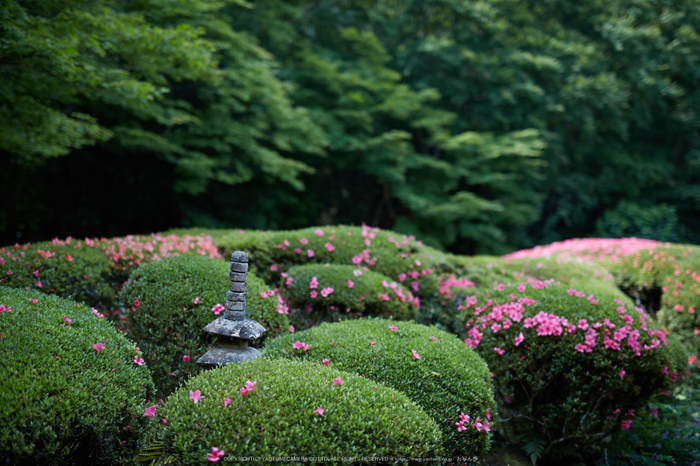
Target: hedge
(74, 388)
(91, 270)
(433, 368)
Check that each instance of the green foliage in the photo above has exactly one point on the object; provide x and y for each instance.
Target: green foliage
(277, 418)
(60, 58)
(167, 324)
(630, 220)
(365, 298)
(449, 379)
(63, 402)
(568, 370)
(665, 433)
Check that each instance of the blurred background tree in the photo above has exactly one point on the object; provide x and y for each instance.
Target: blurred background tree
(480, 126)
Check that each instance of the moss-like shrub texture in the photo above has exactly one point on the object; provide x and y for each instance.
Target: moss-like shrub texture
(281, 417)
(349, 293)
(62, 401)
(448, 380)
(570, 368)
(175, 300)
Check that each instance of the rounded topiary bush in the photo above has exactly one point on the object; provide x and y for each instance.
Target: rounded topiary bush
(447, 381)
(175, 299)
(73, 388)
(570, 368)
(327, 293)
(296, 409)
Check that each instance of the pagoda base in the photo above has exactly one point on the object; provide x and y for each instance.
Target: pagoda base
(218, 356)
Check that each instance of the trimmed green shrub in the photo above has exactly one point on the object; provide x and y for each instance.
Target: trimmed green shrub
(63, 401)
(280, 416)
(448, 380)
(353, 293)
(570, 368)
(175, 300)
(91, 270)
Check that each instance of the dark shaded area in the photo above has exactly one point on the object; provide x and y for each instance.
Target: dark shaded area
(648, 299)
(87, 195)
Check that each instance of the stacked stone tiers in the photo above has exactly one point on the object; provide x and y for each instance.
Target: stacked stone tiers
(234, 328)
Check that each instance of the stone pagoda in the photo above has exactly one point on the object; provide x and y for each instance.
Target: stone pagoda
(234, 329)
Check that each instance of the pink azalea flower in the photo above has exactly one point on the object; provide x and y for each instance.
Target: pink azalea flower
(244, 391)
(326, 292)
(434, 339)
(626, 424)
(273, 267)
(319, 232)
(34, 301)
(319, 411)
(326, 362)
(68, 257)
(217, 309)
(393, 328)
(196, 396)
(98, 347)
(227, 401)
(313, 294)
(310, 253)
(622, 373)
(478, 425)
(415, 354)
(372, 343)
(519, 339)
(350, 284)
(196, 300)
(137, 303)
(304, 241)
(330, 247)
(97, 313)
(68, 321)
(215, 454)
(488, 413)
(165, 423)
(357, 272)
(185, 358)
(291, 328)
(338, 381)
(138, 360)
(150, 412)
(314, 283)
(499, 351)
(250, 385)
(38, 284)
(300, 345)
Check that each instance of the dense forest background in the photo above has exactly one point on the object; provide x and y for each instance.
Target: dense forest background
(480, 126)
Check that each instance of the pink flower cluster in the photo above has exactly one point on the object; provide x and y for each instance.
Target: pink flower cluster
(496, 317)
(597, 249)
